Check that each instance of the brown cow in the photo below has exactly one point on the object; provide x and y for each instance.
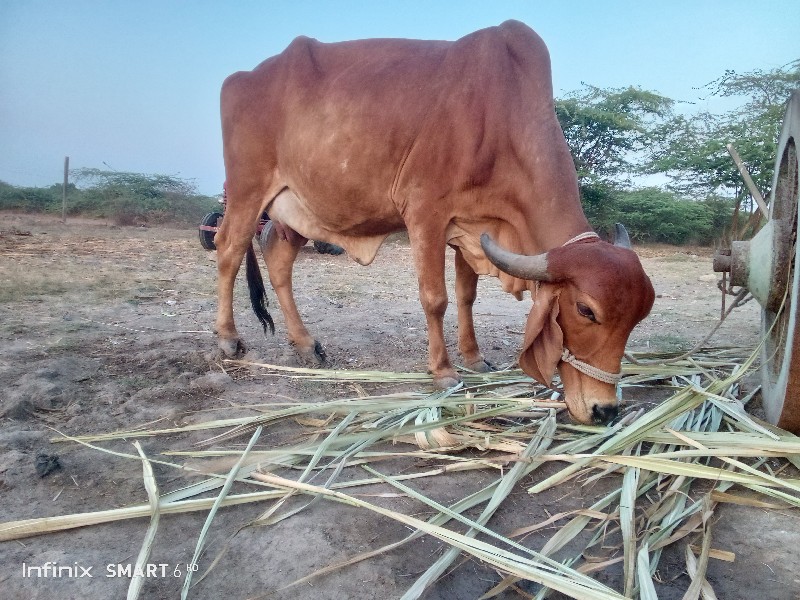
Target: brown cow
(349, 142)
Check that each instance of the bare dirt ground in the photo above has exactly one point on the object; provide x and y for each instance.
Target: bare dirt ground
(102, 328)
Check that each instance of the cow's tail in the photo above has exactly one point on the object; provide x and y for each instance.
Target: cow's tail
(258, 294)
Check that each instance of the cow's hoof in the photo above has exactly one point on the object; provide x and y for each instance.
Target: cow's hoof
(445, 382)
(480, 366)
(314, 356)
(232, 348)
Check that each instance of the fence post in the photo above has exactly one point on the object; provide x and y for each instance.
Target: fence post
(64, 191)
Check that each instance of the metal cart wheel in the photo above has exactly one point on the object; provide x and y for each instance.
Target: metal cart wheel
(326, 248)
(262, 237)
(208, 229)
(780, 354)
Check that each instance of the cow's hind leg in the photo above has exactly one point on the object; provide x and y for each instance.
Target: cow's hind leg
(466, 292)
(232, 241)
(280, 252)
(428, 251)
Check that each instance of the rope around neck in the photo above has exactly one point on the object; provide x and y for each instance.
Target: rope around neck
(569, 357)
(586, 235)
(587, 369)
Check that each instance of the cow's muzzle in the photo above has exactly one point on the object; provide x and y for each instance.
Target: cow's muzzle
(603, 414)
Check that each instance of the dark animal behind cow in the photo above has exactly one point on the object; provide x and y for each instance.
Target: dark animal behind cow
(352, 141)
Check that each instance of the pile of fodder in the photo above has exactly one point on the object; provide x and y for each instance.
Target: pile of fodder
(669, 464)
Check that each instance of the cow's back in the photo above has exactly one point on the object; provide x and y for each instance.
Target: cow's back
(361, 131)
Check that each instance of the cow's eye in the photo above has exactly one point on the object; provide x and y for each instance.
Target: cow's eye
(587, 312)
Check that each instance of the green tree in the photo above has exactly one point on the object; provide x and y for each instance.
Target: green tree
(600, 204)
(692, 149)
(136, 198)
(31, 199)
(607, 129)
(128, 198)
(655, 215)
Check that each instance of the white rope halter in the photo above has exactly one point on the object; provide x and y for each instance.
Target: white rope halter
(586, 235)
(587, 369)
(569, 357)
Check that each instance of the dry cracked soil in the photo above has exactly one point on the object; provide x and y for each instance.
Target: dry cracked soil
(103, 328)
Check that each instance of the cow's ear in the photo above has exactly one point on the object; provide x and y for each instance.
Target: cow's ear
(544, 341)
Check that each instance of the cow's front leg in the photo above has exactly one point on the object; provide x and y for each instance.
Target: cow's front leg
(466, 292)
(280, 251)
(429, 260)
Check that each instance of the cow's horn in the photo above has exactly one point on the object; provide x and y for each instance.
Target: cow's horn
(621, 237)
(519, 265)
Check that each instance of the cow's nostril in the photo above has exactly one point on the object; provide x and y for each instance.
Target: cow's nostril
(602, 414)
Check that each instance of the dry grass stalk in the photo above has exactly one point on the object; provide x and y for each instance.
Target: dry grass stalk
(137, 581)
(700, 434)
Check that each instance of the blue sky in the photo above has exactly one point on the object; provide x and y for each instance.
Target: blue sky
(135, 84)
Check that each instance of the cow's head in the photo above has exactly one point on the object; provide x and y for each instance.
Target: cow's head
(588, 297)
